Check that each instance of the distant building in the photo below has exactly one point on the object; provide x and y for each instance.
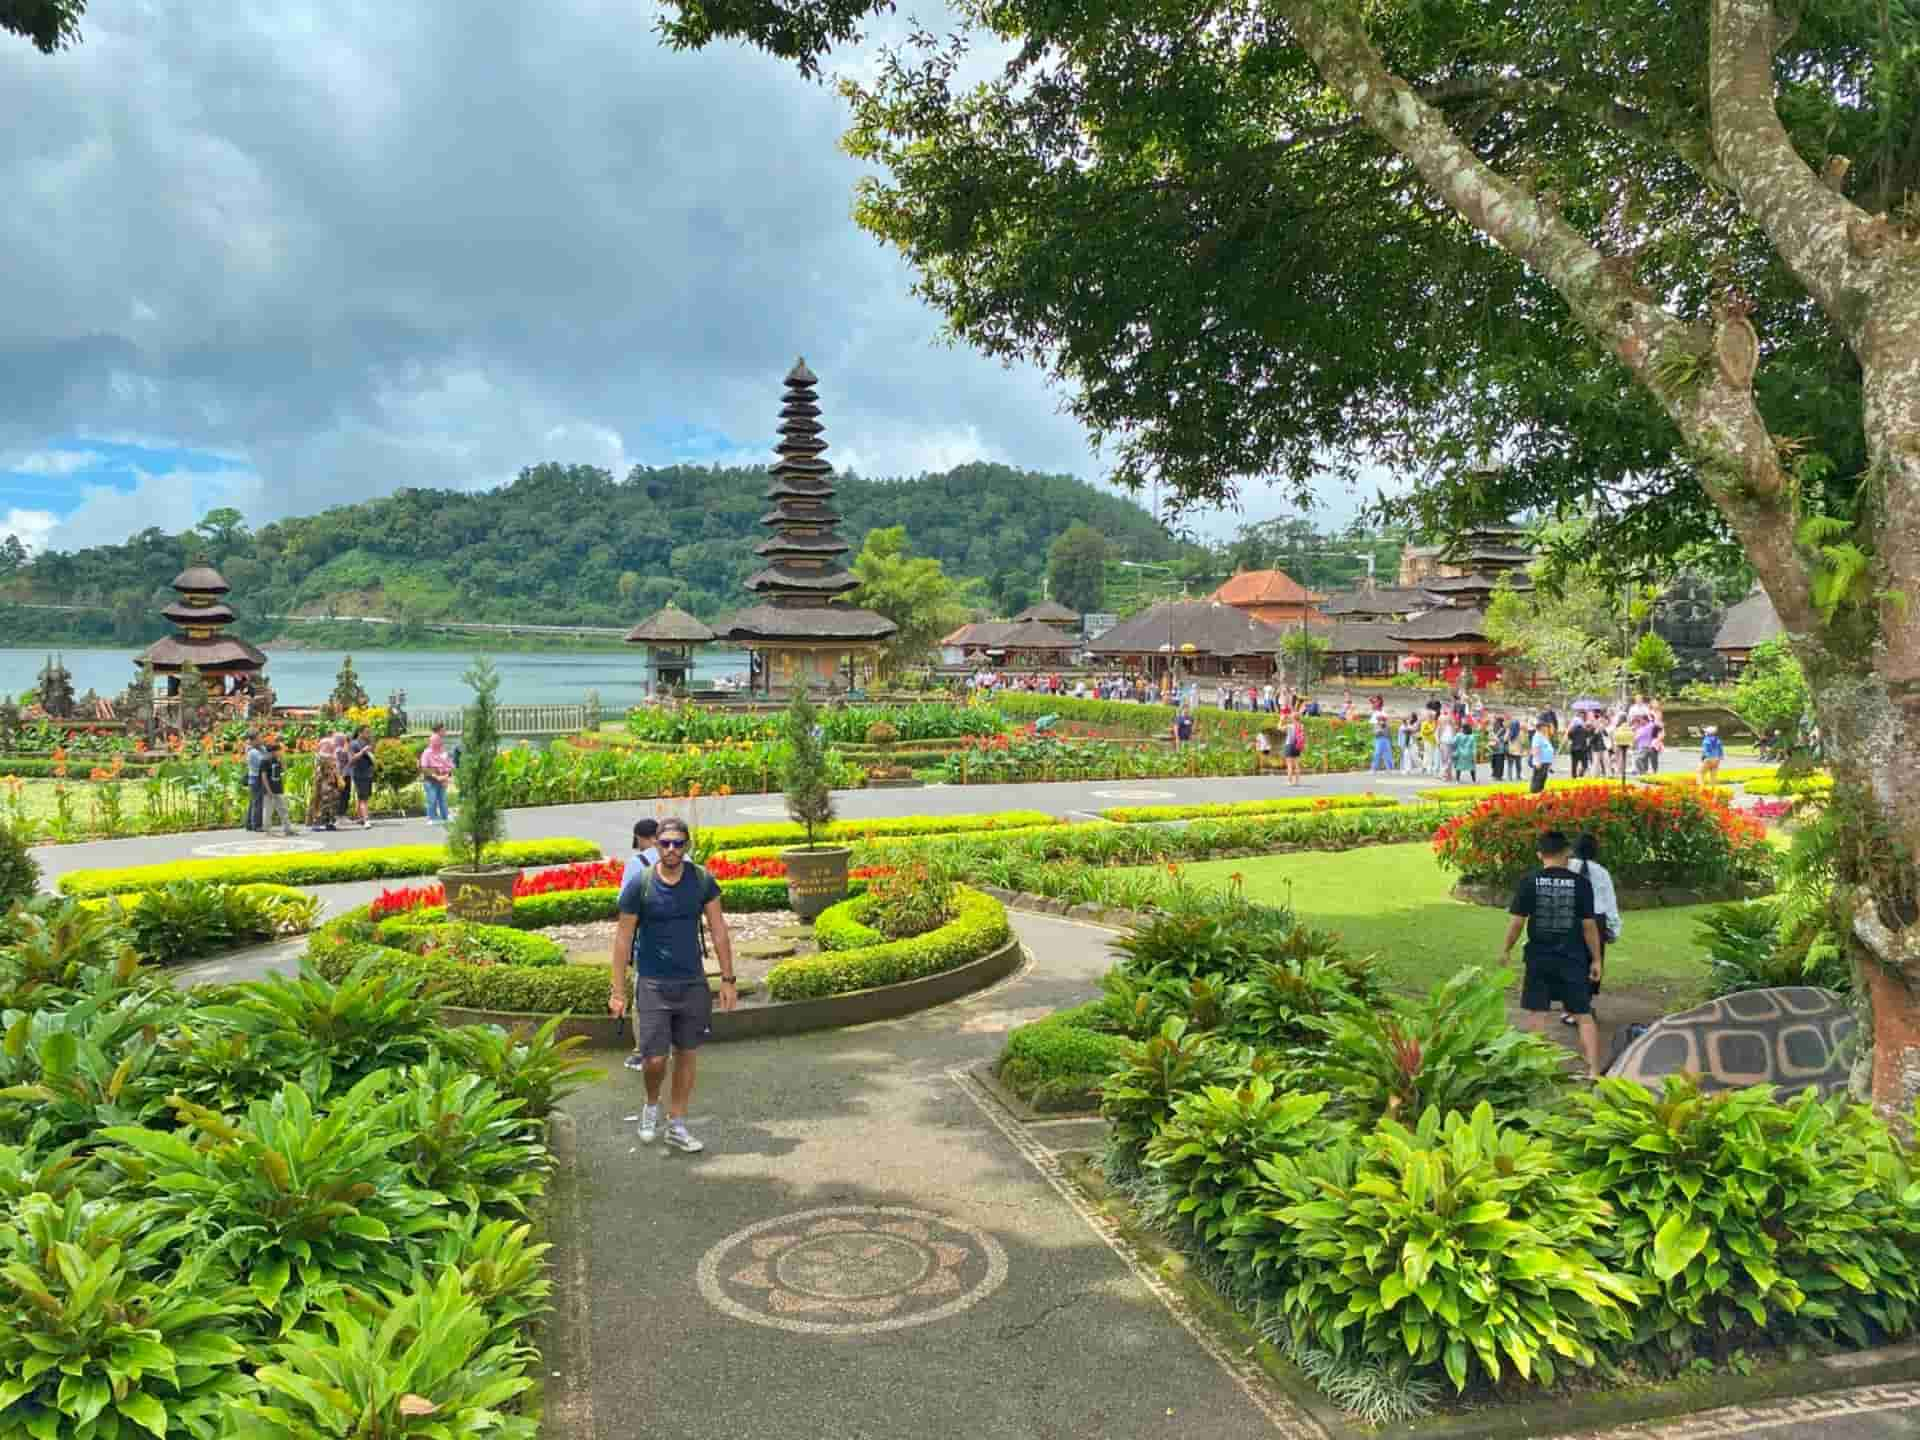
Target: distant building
(671, 636)
(1359, 649)
(1483, 550)
(1449, 642)
(1272, 596)
(201, 616)
(1050, 612)
(1380, 602)
(1751, 623)
(1192, 637)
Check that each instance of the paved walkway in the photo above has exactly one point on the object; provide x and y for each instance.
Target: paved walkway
(610, 822)
(872, 1247)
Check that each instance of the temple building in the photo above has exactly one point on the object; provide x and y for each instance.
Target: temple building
(1051, 612)
(1485, 550)
(1747, 626)
(796, 635)
(1191, 637)
(229, 664)
(1272, 596)
(671, 635)
(1451, 642)
(1376, 603)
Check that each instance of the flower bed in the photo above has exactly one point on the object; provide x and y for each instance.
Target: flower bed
(715, 838)
(1468, 794)
(326, 869)
(978, 928)
(296, 1165)
(1815, 784)
(1238, 727)
(933, 720)
(1649, 837)
(565, 776)
(1279, 805)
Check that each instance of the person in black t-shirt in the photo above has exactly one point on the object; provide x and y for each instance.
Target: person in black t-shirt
(1555, 907)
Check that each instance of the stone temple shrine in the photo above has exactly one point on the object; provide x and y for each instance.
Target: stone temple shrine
(796, 634)
(228, 663)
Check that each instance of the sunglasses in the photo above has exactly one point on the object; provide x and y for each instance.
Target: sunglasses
(671, 844)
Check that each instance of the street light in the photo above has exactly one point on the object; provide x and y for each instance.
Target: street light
(1150, 565)
(1368, 557)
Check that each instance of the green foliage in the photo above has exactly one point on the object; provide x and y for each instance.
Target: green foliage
(1239, 809)
(379, 863)
(1458, 1243)
(841, 724)
(52, 949)
(1747, 1216)
(476, 833)
(527, 1064)
(462, 1138)
(396, 765)
(842, 926)
(299, 1202)
(49, 25)
(1752, 946)
(809, 797)
(1077, 568)
(66, 1072)
(190, 918)
(713, 839)
(106, 1330)
(1771, 693)
(472, 944)
(978, 928)
(1140, 1094)
(906, 901)
(913, 591)
(1455, 1051)
(1209, 1149)
(511, 989)
(19, 871)
(348, 692)
(1653, 662)
(1060, 1063)
(431, 1367)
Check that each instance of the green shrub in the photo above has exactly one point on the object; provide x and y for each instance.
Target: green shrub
(713, 839)
(1745, 1217)
(477, 833)
(1455, 1050)
(527, 1064)
(301, 1200)
(1748, 948)
(1209, 1150)
(907, 901)
(512, 989)
(105, 1330)
(1059, 1063)
(460, 1137)
(841, 926)
(380, 863)
(430, 1367)
(191, 918)
(19, 871)
(978, 928)
(1239, 809)
(472, 944)
(1155, 1072)
(65, 1072)
(1456, 1245)
(52, 950)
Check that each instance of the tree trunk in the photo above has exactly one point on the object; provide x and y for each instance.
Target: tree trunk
(1862, 655)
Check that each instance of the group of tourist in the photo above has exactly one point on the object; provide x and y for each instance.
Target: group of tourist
(342, 780)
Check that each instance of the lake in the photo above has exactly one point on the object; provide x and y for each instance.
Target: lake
(430, 677)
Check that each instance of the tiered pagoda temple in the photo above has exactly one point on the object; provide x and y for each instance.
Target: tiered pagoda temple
(796, 634)
(201, 614)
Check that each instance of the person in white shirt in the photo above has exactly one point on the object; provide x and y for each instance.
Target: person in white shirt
(1606, 902)
(646, 854)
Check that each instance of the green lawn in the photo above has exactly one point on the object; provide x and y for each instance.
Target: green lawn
(1392, 901)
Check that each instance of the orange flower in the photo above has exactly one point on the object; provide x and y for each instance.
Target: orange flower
(59, 754)
(98, 774)
(140, 746)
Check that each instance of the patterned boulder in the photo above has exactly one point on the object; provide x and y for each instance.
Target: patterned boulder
(1793, 1037)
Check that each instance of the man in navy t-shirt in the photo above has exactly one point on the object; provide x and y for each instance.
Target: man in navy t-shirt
(1555, 907)
(659, 930)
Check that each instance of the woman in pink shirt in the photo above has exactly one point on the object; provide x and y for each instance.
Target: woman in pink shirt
(436, 769)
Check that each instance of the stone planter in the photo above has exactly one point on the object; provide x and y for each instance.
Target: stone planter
(484, 895)
(816, 878)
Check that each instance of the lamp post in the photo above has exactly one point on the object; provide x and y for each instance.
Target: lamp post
(1168, 569)
(1367, 557)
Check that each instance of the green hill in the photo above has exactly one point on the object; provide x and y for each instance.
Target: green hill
(561, 544)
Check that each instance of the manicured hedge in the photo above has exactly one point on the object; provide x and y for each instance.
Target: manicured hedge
(528, 989)
(1799, 785)
(715, 838)
(585, 907)
(78, 767)
(978, 928)
(382, 863)
(132, 898)
(1279, 805)
(1059, 1063)
(864, 846)
(516, 946)
(843, 927)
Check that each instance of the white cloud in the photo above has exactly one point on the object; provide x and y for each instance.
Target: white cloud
(173, 501)
(31, 526)
(57, 462)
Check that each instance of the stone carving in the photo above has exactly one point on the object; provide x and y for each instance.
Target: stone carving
(55, 687)
(1794, 1037)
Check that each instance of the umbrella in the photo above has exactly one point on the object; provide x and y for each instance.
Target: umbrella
(1794, 1037)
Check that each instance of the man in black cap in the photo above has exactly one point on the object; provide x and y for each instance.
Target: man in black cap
(1555, 906)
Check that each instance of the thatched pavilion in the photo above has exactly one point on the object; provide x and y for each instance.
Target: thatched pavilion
(671, 636)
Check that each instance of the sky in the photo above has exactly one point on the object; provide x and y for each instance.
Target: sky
(289, 254)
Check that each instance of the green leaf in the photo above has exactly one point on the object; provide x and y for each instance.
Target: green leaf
(1675, 1245)
(145, 1411)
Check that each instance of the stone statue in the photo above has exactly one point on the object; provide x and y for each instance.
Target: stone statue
(396, 713)
(261, 702)
(56, 690)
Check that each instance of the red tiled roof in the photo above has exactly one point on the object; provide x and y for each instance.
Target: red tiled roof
(1263, 587)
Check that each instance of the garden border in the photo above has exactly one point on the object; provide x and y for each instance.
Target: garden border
(787, 1017)
(1477, 892)
(1598, 1411)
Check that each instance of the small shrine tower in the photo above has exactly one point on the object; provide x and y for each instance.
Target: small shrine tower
(228, 663)
(796, 634)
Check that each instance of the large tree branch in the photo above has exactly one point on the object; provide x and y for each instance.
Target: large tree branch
(1714, 410)
(1819, 233)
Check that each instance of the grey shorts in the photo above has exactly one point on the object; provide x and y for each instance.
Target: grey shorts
(671, 1014)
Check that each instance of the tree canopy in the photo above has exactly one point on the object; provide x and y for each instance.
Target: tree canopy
(910, 590)
(1077, 568)
(49, 24)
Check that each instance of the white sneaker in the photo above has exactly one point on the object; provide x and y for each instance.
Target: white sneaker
(679, 1139)
(650, 1124)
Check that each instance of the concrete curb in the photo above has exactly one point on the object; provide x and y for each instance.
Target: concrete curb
(1595, 1411)
(566, 1334)
(784, 1017)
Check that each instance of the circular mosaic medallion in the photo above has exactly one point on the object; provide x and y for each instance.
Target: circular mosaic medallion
(233, 848)
(851, 1270)
(1134, 794)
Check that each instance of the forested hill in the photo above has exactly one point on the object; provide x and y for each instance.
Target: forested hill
(571, 544)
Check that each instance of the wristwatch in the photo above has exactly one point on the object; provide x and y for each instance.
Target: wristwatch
(727, 980)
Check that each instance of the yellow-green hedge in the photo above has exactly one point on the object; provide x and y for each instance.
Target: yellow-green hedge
(978, 928)
(1816, 784)
(875, 851)
(713, 839)
(1465, 793)
(843, 926)
(1279, 805)
(131, 900)
(387, 862)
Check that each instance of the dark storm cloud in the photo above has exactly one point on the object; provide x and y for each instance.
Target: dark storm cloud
(366, 245)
